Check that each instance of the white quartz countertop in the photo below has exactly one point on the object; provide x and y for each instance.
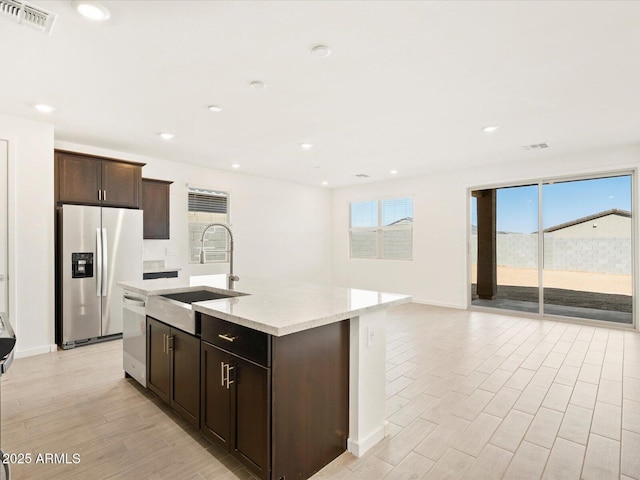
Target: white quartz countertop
(276, 307)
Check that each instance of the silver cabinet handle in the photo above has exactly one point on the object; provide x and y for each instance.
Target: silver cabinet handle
(227, 337)
(164, 343)
(99, 194)
(222, 374)
(104, 194)
(171, 339)
(229, 381)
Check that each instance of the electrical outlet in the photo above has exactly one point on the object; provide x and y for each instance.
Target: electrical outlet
(171, 251)
(371, 336)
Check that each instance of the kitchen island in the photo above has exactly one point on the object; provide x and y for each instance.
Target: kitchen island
(290, 374)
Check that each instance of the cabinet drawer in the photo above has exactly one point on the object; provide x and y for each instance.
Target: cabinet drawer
(242, 341)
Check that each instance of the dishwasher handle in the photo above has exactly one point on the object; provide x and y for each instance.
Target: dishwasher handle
(134, 302)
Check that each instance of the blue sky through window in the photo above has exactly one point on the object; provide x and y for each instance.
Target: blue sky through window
(517, 207)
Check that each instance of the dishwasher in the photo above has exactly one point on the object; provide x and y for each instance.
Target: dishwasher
(134, 336)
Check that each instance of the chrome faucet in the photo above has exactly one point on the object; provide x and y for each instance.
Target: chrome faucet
(231, 278)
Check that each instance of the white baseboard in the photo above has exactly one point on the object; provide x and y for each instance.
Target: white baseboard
(36, 351)
(360, 448)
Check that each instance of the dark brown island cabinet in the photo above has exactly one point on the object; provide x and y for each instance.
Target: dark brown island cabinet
(173, 368)
(91, 180)
(155, 203)
(280, 405)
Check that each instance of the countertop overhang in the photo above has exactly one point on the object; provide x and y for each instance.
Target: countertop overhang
(276, 307)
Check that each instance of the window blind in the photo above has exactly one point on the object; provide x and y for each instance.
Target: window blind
(211, 201)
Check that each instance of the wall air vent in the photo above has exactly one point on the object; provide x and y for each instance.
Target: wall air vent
(362, 175)
(535, 146)
(24, 13)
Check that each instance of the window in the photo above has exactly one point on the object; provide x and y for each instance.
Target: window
(382, 229)
(205, 207)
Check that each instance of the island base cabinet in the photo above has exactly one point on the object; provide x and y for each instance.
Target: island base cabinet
(173, 368)
(185, 375)
(236, 407)
(158, 359)
(285, 412)
(310, 398)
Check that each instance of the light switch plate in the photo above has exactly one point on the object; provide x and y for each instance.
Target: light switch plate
(171, 251)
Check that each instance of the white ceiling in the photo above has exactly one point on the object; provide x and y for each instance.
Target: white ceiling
(408, 86)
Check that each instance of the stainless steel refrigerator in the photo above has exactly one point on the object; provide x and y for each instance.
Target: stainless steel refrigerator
(98, 247)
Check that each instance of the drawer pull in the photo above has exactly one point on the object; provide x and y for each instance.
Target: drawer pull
(227, 337)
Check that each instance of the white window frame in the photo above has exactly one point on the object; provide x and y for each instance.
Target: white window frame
(380, 229)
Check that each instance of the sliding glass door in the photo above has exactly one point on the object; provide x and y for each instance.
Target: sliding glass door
(560, 247)
(588, 248)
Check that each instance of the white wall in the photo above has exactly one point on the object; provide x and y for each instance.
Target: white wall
(280, 229)
(31, 240)
(438, 272)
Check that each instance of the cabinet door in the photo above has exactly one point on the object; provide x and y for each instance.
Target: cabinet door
(185, 388)
(121, 184)
(158, 359)
(155, 203)
(78, 179)
(251, 414)
(215, 396)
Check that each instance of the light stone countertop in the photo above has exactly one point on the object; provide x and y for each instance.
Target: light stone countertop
(276, 307)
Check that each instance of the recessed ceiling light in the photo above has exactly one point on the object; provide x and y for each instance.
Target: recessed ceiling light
(235, 165)
(44, 108)
(214, 108)
(321, 51)
(393, 172)
(490, 128)
(306, 146)
(92, 10)
(325, 183)
(167, 135)
(258, 85)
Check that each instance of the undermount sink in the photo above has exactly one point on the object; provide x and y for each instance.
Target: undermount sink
(196, 296)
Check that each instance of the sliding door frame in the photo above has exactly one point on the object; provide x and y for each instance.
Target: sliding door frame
(540, 182)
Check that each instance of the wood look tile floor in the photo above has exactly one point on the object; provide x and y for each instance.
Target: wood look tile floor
(470, 395)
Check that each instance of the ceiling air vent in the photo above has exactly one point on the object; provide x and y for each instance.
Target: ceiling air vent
(26, 14)
(362, 175)
(535, 146)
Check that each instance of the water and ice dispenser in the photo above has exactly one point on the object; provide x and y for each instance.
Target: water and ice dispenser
(81, 265)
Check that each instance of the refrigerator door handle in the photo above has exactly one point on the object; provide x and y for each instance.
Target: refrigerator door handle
(105, 263)
(98, 263)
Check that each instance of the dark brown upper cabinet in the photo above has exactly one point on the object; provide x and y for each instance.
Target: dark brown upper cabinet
(92, 180)
(155, 203)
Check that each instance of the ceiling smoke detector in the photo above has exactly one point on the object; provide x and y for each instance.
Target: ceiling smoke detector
(24, 13)
(535, 146)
